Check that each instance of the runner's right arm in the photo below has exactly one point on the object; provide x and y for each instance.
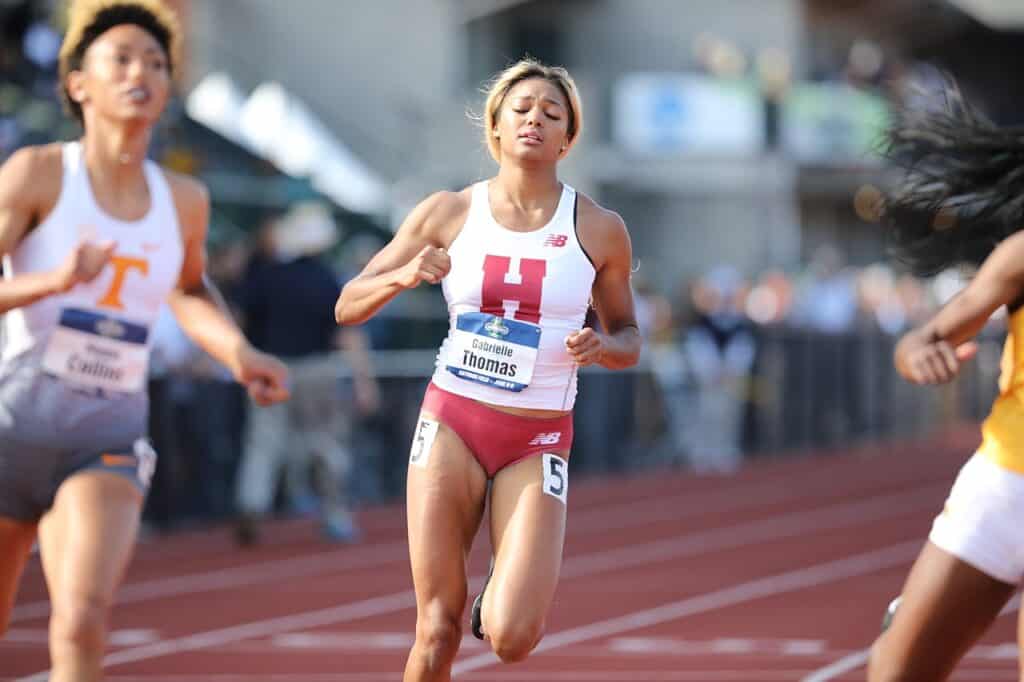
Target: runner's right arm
(934, 352)
(415, 254)
(25, 180)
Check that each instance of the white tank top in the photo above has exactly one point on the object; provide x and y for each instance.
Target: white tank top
(97, 334)
(512, 298)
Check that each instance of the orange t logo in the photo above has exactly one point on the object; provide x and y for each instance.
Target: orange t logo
(122, 264)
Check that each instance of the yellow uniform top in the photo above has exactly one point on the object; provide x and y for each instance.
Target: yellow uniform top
(1003, 430)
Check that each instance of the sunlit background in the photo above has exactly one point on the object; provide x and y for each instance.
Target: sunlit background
(737, 138)
(749, 475)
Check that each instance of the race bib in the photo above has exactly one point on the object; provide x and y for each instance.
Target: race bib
(494, 351)
(91, 349)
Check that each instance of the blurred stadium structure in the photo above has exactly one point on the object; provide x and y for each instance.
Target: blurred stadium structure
(735, 137)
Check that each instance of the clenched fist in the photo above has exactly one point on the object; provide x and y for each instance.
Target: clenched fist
(85, 262)
(264, 376)
(585, 346)
(430, 265)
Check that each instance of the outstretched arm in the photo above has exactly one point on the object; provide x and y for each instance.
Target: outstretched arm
(933, 353)
(203, 314)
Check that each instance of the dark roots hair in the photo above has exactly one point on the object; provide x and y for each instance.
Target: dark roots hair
(89, 20)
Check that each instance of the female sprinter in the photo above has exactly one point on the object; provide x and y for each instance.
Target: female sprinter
(95, 239)
(961, 203)
(519, 258)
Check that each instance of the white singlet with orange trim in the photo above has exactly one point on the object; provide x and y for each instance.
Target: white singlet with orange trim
(96, 335)
(513, 298)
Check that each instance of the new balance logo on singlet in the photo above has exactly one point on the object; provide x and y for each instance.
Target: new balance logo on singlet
(546, 438)
(558, 240)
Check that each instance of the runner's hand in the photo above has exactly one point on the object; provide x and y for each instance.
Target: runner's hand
(264, 376)
(930, 362)
(430, 265)
(85, 262)
(585, 346)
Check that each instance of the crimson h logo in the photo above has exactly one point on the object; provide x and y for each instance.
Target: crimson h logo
(527, 293)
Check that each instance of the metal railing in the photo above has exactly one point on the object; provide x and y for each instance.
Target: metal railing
(807, 392)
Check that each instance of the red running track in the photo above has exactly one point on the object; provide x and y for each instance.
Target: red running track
(780, 572)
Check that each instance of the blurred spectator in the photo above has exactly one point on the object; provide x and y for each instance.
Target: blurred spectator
(357, 252)
(719, 349)
(169, 359)
(192, 401)
(287, 300)
(15, 18)
(41, 45)
(827, 302)
(653, 316)
(771, 300)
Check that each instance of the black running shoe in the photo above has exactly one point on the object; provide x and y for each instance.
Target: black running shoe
(890, 611)
(475, 618)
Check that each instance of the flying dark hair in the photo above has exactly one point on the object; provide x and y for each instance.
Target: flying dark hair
(962, 191)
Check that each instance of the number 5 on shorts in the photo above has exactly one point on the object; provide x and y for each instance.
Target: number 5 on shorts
(423, 441)
(556, 476)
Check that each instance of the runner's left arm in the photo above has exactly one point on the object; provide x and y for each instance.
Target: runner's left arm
(202, 312)
(618, 344)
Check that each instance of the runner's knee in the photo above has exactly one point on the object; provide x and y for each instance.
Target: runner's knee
(81, 622)
(512, 639)
(438, 635)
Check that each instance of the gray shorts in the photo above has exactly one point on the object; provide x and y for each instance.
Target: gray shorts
(49, 431)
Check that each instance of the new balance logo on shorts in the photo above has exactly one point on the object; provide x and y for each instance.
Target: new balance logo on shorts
(546, 438)
(556, 240)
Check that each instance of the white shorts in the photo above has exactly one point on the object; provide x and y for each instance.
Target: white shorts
(981, 522)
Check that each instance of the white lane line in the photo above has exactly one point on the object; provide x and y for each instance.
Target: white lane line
(857, 659)
(260, 628)
(721, 500)
(783, 526)
(240, 576)
(589, 521)
(790, 581)
(616, 517)
(717, 675)
(846, 664)
(745, 534)
(270, 571)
